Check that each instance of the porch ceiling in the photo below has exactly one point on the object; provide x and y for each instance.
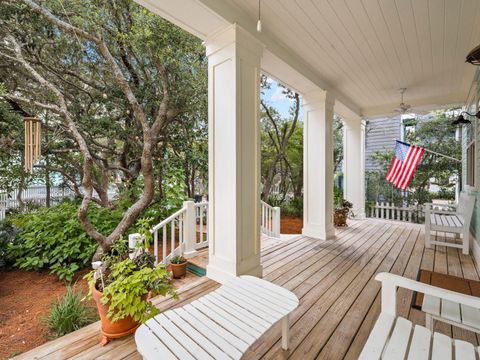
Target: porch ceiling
(363, 51)
(368, 49)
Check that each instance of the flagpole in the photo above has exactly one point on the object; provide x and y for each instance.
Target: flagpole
(435, 153)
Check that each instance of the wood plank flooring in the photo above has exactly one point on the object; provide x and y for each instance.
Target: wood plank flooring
(334, 280)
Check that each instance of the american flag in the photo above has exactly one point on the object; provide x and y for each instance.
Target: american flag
(404, 164)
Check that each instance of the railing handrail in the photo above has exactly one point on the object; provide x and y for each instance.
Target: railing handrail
(267, 205)
(188, 225)
(168, 220)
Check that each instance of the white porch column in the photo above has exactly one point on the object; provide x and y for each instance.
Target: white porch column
(318, 165)
(354, 164)
(234, 153)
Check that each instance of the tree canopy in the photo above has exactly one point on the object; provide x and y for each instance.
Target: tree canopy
(114, 85)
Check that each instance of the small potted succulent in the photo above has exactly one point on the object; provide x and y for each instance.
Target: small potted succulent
(341, 213)
(122, 288)
(178, 265)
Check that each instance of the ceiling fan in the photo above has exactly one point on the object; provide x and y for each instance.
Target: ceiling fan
(402, 108)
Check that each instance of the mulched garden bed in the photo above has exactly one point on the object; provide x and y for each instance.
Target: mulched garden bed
(291, 225)
(25, 297)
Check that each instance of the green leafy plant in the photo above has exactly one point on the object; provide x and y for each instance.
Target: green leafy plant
(53, 238)
(178, 260)
(127, 284)
(8, 236)
(68, 313)
(345, 207)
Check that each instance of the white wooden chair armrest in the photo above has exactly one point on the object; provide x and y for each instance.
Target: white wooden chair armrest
(430, 205)
(390, 283)
(442, 212)
(429, 209)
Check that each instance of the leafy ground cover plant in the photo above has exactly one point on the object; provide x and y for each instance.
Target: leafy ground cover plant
(69, 313)
(8, 235)
(53, 238)
(126, 284)
(178, 260)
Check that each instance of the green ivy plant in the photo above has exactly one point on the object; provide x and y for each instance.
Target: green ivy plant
(127, 284)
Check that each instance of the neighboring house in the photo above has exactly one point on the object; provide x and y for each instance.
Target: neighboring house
(379, 135)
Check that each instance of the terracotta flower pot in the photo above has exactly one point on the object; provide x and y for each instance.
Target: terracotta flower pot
(178, 270)
(340, 219)
(113, 330)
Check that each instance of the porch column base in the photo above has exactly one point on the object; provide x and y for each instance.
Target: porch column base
(360, 216)
(221, 274)
(316, 232)
(190, 254)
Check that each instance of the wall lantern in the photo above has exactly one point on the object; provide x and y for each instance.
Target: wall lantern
(473, 56)
(462, 121)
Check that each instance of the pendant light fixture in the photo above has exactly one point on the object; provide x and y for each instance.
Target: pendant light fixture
(259, 22)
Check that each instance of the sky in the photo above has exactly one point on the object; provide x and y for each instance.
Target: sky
(277, 99)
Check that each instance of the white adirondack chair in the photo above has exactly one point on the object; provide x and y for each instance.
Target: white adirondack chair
(220, 325)
(394, 337)
(457, 222)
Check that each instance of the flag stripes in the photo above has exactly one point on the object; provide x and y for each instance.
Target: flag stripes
(404, 163)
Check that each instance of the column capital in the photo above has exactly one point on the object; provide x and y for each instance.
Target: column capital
(352, 119)
(233, 34)
(319, 98)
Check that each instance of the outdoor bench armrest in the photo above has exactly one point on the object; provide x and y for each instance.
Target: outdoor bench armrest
(390, 283)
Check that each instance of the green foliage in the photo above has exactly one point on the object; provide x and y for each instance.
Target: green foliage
(141, 43)
(127, 285)
(68, 313)
(293, 207)
(437, 135)
(337, 196)
(54, 238)
(445, 194)
(8, 236)
(345, 207)
(178, 260)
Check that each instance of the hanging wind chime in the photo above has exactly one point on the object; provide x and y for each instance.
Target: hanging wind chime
(33, 136)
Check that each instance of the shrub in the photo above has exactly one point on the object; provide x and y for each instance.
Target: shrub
(178, 260)
(8, 234)
(69, 313)
(293, 208)
(54, 238)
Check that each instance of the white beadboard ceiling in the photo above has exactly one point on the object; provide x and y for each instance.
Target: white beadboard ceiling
(368, 49)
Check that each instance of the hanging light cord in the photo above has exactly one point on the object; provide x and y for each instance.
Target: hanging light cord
(259, 22)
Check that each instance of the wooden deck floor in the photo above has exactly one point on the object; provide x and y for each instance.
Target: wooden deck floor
(334, 280)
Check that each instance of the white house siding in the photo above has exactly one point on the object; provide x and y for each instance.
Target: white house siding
(473, 105)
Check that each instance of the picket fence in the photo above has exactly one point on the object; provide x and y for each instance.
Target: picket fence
(35, 194)
(389, 211)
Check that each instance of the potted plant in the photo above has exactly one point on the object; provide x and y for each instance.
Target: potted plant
(122, 288)
(178, 265)
(341, 213)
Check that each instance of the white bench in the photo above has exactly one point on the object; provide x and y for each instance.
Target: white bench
(394, 337)
(457, 221)
(451, 313)
(220, 325)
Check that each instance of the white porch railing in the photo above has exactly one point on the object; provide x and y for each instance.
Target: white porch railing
(389, 211)
(186, 231)
(182, 233)
(270, 220)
